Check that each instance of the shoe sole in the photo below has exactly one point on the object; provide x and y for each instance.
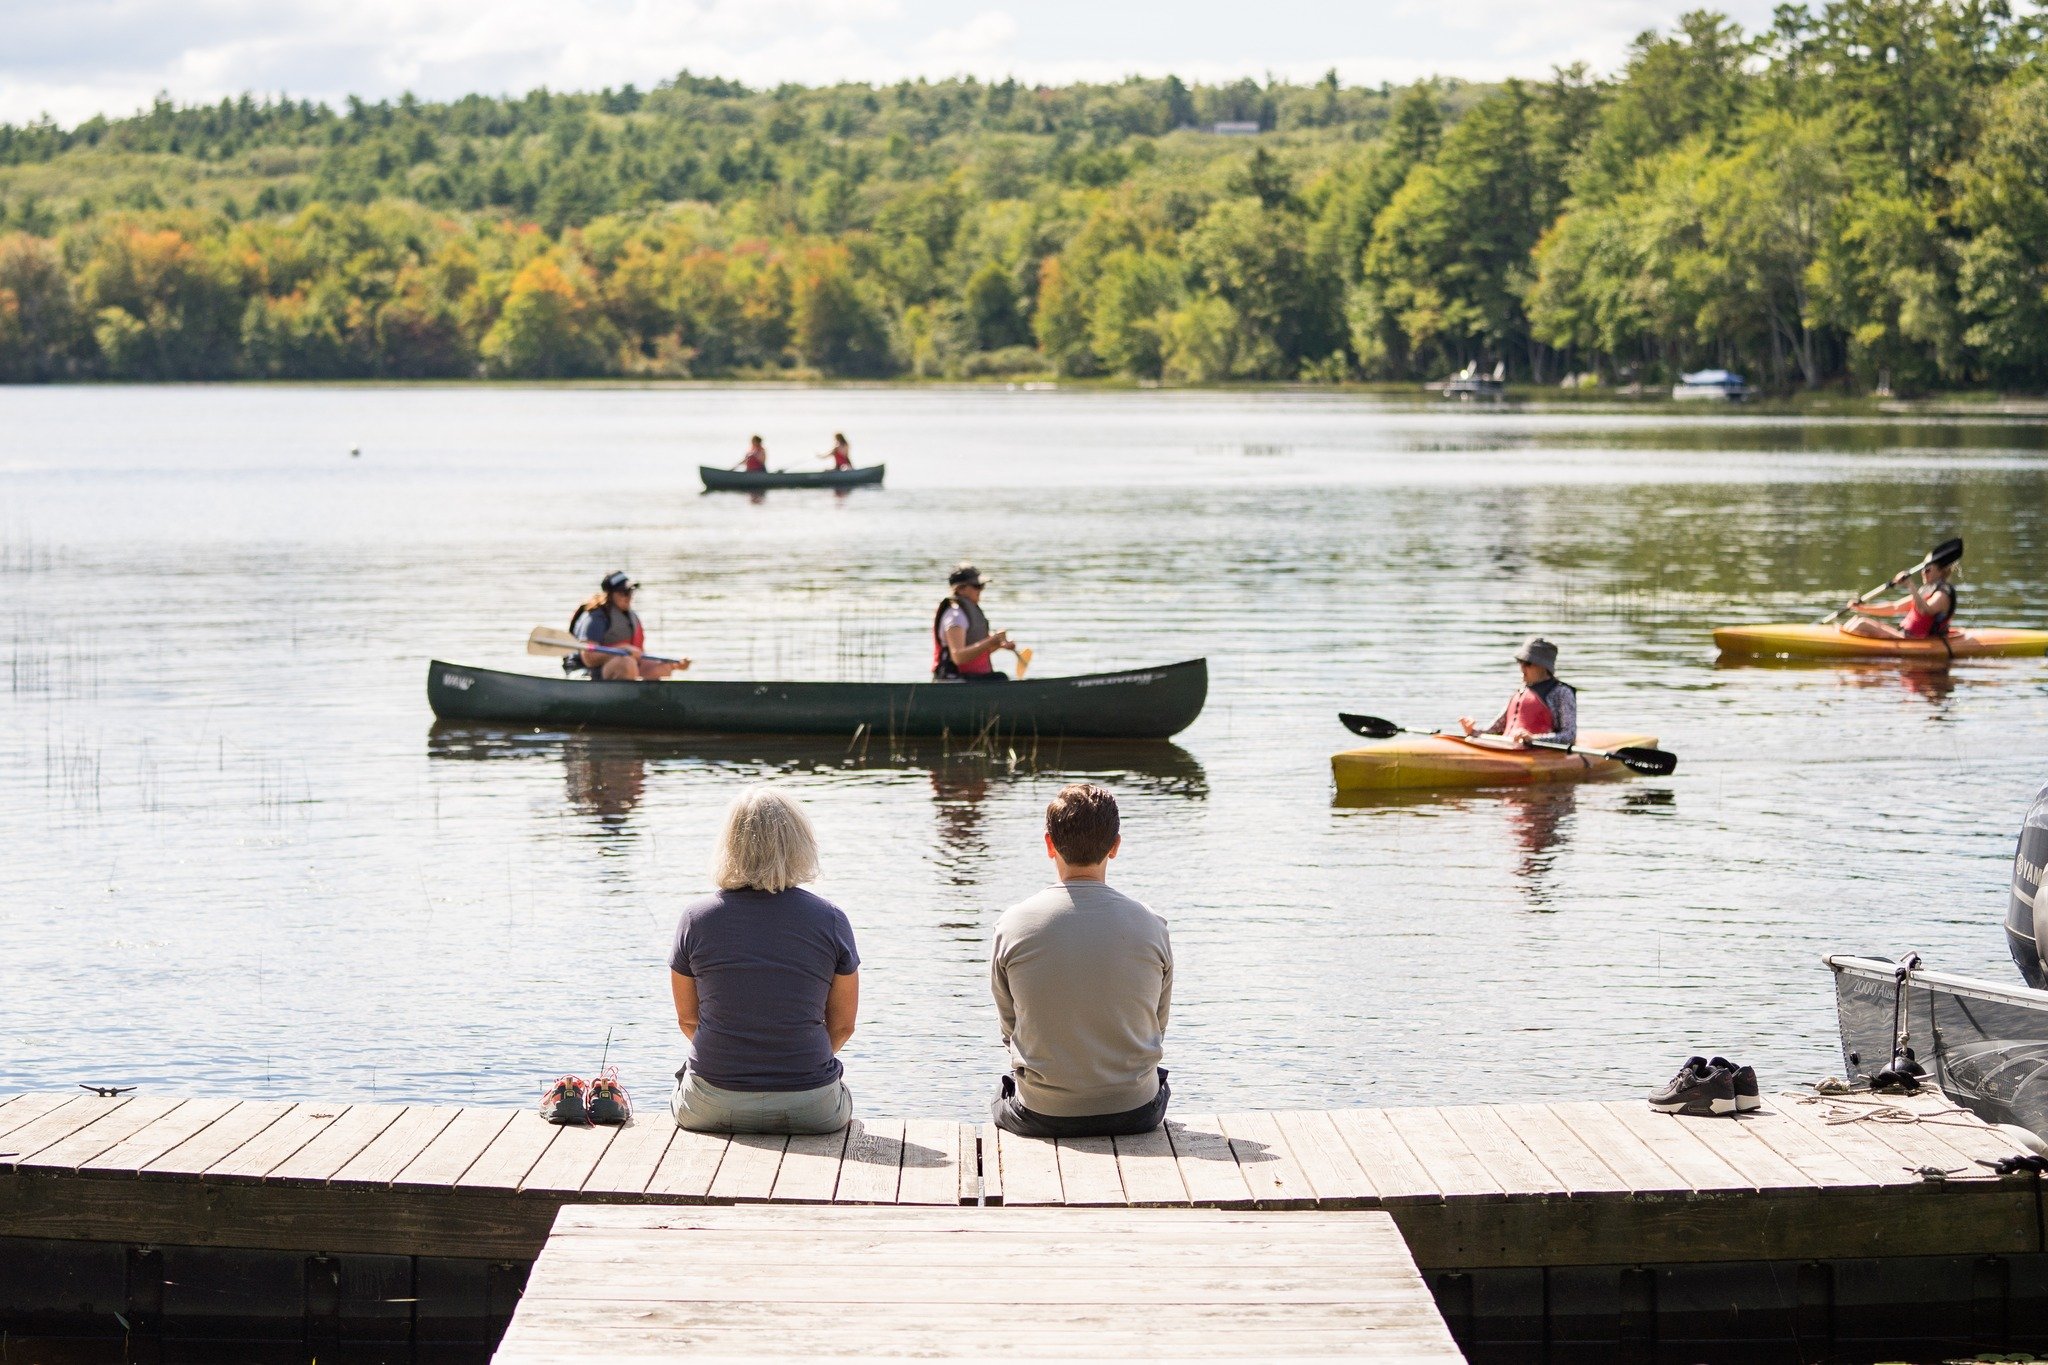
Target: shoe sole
(1747, 1103)
(1694, 1108)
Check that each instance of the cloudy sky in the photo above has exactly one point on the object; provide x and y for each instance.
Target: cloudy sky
(74, 58)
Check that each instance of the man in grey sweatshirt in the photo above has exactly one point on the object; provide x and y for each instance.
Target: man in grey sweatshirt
(1083, 980)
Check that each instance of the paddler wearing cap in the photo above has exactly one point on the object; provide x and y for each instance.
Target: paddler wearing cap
(608, 619)
(1542, 707)
(962, 643)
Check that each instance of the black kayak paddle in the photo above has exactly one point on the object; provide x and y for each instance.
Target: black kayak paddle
(1944, 554)
(1636, 758)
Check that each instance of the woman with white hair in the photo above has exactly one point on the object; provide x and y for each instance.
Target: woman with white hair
(766, 981)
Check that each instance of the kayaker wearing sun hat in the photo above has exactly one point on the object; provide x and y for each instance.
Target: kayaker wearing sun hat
(961, 639)
(608, 619)
(1542, 707)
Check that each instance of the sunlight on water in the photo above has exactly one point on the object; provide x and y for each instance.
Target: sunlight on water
(244, 860)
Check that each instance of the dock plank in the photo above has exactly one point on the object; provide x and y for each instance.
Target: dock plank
(1855, 1141)
(1628, 1156)
(1452, 1166)
(634, 1156)
(931, 1162)
(1208, 1163)
(1682, 1143)
(1146, 1166)
(1031, 1170)
(1268, 1162)
(270, 1148)
(108, 1130)
(59, 1123)
(1336, 1176)
(1819, 1161)
(751, 1162)
(219, 1139)
(392, 1150)
(454, 1149)
(337, 1144)
(26, 1109)
(1088, 1171)
(145, 1145)
(873, 1169)
(689, 1165)
(1577, 1166)
(886, 1284)
(1384, 1156)
(1497, 1146)
(570, 1158)
(810, 1167)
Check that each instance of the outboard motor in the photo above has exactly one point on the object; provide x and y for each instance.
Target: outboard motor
(2026, 918)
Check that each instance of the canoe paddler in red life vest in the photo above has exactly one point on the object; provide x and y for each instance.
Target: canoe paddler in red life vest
(1925, 611)
(962, 643)
(1542, 707)
(608, 619)
(842, 453)
(755, 461)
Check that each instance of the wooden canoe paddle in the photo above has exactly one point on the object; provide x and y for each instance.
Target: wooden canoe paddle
(1634, 757)
(1944, 554)
(560, 644)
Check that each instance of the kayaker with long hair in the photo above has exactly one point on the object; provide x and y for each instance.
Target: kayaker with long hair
(608, 620)
(962, 643)
(1541, 708)
(1924, 612)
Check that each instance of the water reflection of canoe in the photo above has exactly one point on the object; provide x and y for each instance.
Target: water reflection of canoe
(1428, 762)
(1142, 703)
(1830, 642)
(748, 481)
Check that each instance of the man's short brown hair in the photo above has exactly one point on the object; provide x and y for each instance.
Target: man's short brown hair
(1082, 821)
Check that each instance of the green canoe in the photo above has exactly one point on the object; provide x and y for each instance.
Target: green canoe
(749, 481)
(1139, 703)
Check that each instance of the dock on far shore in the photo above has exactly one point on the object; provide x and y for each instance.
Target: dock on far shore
(1825, 1221)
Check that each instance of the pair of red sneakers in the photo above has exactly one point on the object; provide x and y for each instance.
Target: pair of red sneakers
(599, 1100)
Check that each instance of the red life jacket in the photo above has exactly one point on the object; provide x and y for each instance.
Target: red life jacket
(977, 631)
(756, 462)
(1918, 625)
(1529, 709)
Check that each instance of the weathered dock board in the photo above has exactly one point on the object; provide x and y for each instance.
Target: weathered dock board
(746, 1284)
(1470, 1187)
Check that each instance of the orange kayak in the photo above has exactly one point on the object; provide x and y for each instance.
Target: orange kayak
(1417, 762)
(1831, 642)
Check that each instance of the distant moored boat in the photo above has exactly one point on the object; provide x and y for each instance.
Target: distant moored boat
(1725, 385)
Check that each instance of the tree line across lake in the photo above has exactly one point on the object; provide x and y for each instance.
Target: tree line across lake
(1856, 197)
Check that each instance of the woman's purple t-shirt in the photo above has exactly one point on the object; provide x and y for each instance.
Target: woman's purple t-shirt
(764, 962)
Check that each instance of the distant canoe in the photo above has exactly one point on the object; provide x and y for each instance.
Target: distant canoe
(1137, 703)
(748, 481)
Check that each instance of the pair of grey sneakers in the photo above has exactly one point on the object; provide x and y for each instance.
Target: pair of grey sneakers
(1708, 1085)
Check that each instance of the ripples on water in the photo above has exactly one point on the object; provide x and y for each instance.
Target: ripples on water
(243, 860)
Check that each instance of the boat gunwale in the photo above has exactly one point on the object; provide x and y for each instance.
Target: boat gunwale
(1879, 970)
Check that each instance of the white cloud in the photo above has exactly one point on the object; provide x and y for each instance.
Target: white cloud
(977, 45)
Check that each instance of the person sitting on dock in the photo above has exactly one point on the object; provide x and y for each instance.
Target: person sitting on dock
(755, 461)
(767, 983)
(1083, 981)
(609, 620)
(1927, 609)
(961, 639)
(1541, 708)
(842, 453)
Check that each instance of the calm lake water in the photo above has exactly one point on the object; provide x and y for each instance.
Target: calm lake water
(242, 860)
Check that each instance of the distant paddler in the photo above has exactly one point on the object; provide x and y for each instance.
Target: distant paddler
(755, 461)
(1924, 613)
(841, 454)
(1542, 708)
(962, 643)
(614, 639)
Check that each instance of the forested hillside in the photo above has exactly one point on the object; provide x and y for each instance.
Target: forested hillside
(1857, 197)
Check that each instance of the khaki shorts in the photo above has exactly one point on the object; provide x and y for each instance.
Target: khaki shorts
(706, 1108)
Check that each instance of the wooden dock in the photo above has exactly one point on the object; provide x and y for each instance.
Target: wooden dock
(1510, 1211)
(744, 1284)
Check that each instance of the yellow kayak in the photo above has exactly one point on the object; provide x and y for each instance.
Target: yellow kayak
(1417, 762)
(1831, 642)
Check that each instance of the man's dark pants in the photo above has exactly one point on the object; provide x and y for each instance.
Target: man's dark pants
(1011, 1116)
